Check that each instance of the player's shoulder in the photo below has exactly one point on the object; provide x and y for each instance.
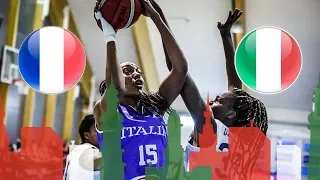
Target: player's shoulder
(79, 148)
(190, 147)
(92, 151)
(220, 124)
(221, 128)
(100, 105)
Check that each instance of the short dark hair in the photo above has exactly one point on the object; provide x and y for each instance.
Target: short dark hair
(85, 125)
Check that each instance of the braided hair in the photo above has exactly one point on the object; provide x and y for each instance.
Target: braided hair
(152, 102)
(249, 108)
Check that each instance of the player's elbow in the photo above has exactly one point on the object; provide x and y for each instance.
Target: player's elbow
(184, 68)
(180, 72)
(181, 68)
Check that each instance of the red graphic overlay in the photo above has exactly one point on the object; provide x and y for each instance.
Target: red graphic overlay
(248, 156)
(40, 157)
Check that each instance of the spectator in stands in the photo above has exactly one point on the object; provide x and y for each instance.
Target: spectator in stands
(17, 146)
(11, 148)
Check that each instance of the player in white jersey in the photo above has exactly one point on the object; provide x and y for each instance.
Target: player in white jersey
(222, 143)
(83, 160)
(233, 108)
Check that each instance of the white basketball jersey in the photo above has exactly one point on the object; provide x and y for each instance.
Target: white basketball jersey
(222, 143)
(74, 171)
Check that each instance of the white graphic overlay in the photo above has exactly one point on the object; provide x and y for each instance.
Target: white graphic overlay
(289, 162)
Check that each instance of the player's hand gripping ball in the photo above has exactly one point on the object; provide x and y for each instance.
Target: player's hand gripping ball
(121, 14)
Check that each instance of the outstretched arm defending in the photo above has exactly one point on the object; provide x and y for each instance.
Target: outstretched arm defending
(189, 92)
(233, 78)
(170, 88)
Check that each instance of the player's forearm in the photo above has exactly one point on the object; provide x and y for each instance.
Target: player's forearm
(233, 79)
(159, 10)
(190, 92)
(191, 97)
(164, 48)
(113, 69)
(194, 102)
(176, 56)
(163, 17)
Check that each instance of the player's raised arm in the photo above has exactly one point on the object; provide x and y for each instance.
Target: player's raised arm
(113, 71)
(190, 92)
(233, 79)
(170, 88)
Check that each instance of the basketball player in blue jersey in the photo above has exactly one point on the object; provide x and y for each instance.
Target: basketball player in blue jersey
(144, 135)
(233, 108)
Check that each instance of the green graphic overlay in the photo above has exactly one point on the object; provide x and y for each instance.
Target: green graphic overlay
(111, 125)
(173, 168)
(113, 166)
(314, 127)
(176, 168)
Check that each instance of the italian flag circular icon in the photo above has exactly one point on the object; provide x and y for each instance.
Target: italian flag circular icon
(268, 60)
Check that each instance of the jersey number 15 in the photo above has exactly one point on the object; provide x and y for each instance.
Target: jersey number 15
(151, 151)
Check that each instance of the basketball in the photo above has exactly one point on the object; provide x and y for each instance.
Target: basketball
(120, 14)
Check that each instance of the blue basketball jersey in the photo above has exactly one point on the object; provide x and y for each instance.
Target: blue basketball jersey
(143, 138)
